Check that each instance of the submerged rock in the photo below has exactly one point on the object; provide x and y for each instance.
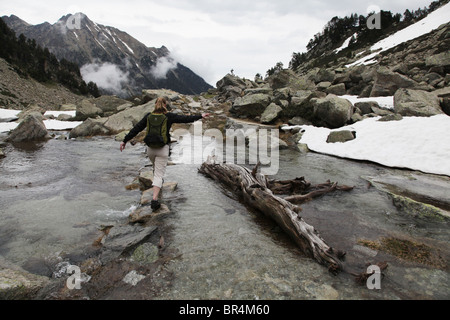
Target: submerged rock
(122, 239)
(145, 253)
(17, 284)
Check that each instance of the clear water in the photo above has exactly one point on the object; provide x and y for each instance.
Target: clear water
(56, 195)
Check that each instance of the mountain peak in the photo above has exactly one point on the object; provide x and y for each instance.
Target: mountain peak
(118, 63)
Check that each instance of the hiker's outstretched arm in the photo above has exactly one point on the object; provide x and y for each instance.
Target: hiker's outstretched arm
(177, 118)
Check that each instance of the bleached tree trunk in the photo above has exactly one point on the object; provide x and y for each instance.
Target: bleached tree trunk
(253, 188)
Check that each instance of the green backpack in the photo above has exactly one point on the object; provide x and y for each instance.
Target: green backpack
(156, 136)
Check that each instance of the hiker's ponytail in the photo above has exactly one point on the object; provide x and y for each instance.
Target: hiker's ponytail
(160, 105)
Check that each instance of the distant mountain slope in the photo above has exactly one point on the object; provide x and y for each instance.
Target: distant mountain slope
(113, 59)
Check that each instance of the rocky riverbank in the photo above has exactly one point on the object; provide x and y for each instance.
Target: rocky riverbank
(123, 256)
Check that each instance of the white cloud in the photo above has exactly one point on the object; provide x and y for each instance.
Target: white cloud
(163, 66)
(106, 75)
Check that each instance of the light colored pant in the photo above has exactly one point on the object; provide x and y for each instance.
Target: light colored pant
(159, 158)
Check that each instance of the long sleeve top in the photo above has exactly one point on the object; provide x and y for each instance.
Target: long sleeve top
(171, 118)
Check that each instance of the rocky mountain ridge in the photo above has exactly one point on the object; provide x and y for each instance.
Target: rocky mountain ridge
(104, 52)
(416, 73)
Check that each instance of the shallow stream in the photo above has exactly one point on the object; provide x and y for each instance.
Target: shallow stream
(56, 195)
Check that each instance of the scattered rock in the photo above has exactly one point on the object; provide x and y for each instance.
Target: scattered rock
(366, 107)
(340, 136)
(133, 278)
(144, 213)
(391, 117)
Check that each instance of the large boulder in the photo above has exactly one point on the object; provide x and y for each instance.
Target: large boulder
(337, 89)
(388, 82)
(252, 105)
(230, 81)
(332, 111)
(420, 103)
(127, 119)
(288, 78)
(87, 109)
(438, 60)
(103, 106)
(90, 127)
(111, 104)
(271, 113)
(300, 105)
(32, 128)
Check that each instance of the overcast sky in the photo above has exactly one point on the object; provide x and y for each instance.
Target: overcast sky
(211, 37)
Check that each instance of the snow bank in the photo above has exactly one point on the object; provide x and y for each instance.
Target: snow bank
(49, 124)
(386, 102)
(431, 22)
(417, 143)
(57, 113)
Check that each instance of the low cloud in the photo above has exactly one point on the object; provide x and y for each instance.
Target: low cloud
(106, 75)
(163, 66)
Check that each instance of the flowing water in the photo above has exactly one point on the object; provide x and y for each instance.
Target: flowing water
(55, 195)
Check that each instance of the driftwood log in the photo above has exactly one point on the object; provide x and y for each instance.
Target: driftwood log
(260, 193)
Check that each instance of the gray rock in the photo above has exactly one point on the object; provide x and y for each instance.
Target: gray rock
(133, 278)
(340, 136)
(366, 107)
(298, 121)
(271, 113)
(89, 127)
(251, 105)
(388, 82)
(145, 253)
(335, 112)
(87, 109)
(391, 117)
(110, 104)
(325, 75)
(17, 284)
(337, 89)
(153, 94)
(420, 103)
(300, 105)
(322, 86)
(438, 60)
(122, 239)
(230, 80)
(32, 128)
(127, 119)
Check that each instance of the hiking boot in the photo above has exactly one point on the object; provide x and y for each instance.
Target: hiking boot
(155, 205)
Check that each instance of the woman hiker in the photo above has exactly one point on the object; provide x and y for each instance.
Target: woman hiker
(158, 125)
